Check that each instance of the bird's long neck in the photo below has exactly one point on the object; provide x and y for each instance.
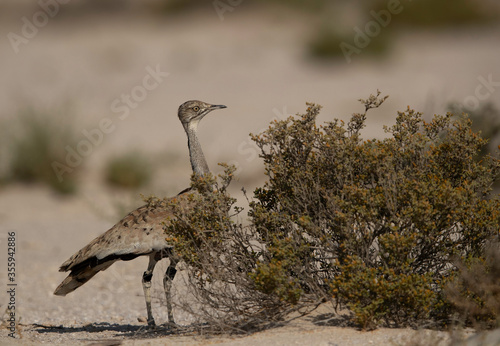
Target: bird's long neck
(198, 162)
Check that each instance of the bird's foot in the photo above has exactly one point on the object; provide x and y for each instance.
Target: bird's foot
(171, 325)
(151, 321)
(151, 324)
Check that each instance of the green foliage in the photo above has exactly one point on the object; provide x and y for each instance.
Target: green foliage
(271, 276)
(37, 140)
(382, 219)
(130, 170)
(390, 294)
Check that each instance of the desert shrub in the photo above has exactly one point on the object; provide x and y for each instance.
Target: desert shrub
(229, 287)
(475, 292)
(377, 223)
(485, 119)
(376, 226)
(129, 170)
(37, 139)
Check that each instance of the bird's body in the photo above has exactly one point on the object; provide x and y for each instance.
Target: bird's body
(141, 232)
(137, 234)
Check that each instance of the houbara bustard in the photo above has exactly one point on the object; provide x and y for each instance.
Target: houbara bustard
(141, 232)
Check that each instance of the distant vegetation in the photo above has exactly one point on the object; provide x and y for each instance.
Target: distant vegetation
(129, 170)
(325, 39)
(326, 43)
(36, 140)
(328, 29)
(445, 13)
(414, 15)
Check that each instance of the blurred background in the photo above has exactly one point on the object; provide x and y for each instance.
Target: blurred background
(89, 92)
(67, 66)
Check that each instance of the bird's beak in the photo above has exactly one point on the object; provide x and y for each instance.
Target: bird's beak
(217, 106)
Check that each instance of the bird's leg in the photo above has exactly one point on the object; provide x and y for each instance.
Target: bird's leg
(167, 284)
(146, 285)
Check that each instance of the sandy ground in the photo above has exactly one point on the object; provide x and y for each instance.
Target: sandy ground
(256, 65)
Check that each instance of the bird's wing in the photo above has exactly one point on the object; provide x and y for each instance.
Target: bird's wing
(139, 233)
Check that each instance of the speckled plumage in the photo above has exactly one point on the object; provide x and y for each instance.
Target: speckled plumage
(141, 232)
(137, 234)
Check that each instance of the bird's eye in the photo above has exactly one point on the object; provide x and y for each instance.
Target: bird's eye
(196, 108)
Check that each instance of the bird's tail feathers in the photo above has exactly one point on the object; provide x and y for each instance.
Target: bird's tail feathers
(78, 277)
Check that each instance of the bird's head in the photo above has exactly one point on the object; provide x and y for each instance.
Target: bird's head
(191, 112)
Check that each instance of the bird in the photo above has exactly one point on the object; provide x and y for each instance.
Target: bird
(141, 232)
